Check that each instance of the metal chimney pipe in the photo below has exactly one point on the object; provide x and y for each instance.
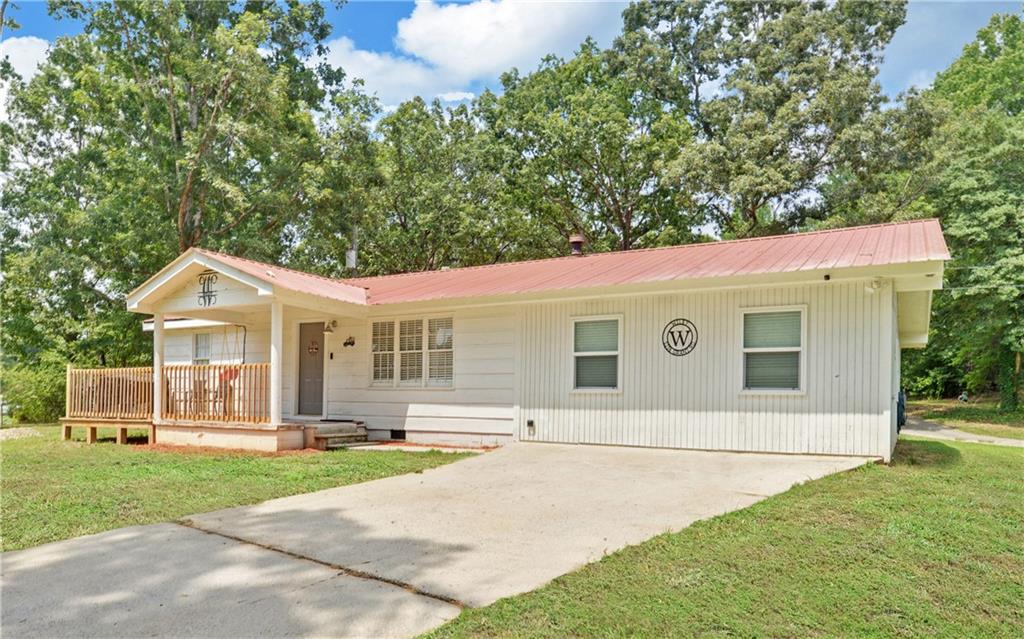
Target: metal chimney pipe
(576, 242)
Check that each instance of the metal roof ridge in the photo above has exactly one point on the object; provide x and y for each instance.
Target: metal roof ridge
(650, 249)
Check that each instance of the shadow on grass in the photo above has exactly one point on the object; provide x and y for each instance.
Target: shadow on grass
(138, 440)
(930, 454)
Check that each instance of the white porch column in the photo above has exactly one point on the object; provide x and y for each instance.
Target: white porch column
(276, 353)
(158, 365)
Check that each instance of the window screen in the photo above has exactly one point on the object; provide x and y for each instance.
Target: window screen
(772, 350)
(596, 354)
(201, 349)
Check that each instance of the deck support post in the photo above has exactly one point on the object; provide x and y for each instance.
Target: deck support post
(158, 366)
(276, 343)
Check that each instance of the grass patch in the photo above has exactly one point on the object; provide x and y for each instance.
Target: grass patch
(932, 545)
(980, 418)
(51, 489)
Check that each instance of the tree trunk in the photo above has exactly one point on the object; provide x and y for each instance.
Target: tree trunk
(1009, 379)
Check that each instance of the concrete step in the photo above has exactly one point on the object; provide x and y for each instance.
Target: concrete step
(342, 437)
(341, 428)
(350, 445)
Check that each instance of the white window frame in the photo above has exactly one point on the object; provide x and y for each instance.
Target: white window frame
(424, 383)
(618, 354)
(375, 383)
(209, 343)
(802, 350)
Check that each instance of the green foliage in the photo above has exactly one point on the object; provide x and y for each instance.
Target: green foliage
(989, 72)
(34, 393)
(163, 126)
(586, 150)
(974, 179)
(777, 93)
(441, 200)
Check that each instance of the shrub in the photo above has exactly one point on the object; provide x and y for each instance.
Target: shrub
(34, 393)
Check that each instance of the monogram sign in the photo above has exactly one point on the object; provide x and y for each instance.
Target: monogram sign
(207, 296)
(679, 337)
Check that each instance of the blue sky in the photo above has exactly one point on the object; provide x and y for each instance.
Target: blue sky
(455, 50)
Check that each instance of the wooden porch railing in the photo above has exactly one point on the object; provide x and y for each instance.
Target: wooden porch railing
(110, 393)
(218, 393)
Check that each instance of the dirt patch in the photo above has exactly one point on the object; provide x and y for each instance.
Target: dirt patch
(234, 452)
(18, 433)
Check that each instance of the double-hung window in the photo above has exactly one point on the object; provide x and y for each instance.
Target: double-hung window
(200, 349)
(383, 346)
(413, 353)
(440, 352)
(773, 349)
(596, 353)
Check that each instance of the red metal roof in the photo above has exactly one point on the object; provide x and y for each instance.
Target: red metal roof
(875, 245)
(293, 280)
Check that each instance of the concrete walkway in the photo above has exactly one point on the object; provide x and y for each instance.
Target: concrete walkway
(923, 428)
(393, 557)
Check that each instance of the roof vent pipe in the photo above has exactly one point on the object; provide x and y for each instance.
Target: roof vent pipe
(576, 242)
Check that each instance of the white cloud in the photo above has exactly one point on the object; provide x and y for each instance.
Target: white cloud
(391, 78)
(455, 96)
(486, 37)
(921, 78)
(444, 50)
(25, 54)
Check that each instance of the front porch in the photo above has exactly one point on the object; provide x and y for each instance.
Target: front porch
(221, 406)
(240, 360)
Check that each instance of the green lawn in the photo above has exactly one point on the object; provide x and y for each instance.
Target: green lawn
(978, 417)
(932, 545)
(50, 489)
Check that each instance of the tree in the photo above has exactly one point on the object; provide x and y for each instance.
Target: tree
(163, 126)
(774, 91)
(990, 71)
(584, 152)
(440, 202)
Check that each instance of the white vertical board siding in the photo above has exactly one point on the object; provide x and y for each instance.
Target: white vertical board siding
(479, 408)
(695, 401)
(225, 344)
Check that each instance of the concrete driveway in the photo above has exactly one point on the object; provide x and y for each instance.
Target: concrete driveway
(392, 557)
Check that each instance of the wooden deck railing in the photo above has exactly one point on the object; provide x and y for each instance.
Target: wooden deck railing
(110, 393)
(219, 393)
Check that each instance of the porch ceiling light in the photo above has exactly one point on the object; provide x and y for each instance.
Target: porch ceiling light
(329, 326)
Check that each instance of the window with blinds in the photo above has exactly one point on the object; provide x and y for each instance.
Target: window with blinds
(382, 343)
(201, 349)
(772, 349)
(440, 352)
(596, 354)
(402, 357)
(410, 347)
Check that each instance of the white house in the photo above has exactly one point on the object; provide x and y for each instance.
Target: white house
(784, 344)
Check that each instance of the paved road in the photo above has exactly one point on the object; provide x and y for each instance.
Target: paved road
(923, 428)
(392, 557)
